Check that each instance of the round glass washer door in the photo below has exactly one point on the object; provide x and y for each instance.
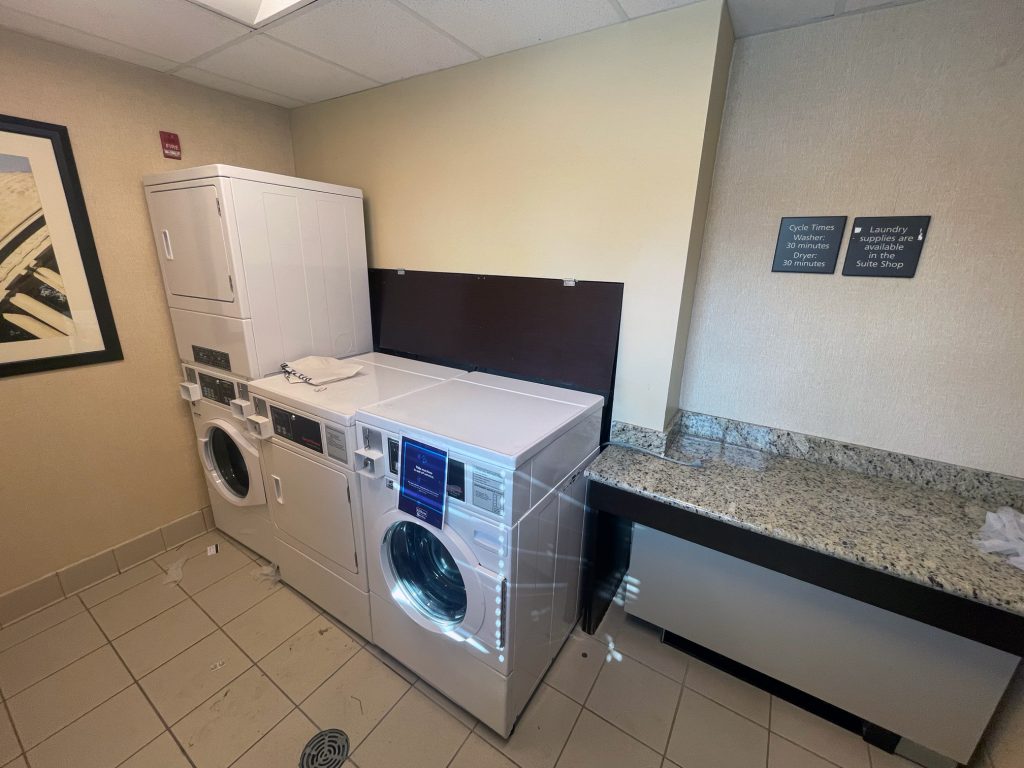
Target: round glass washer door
(427, 573)
(228, 462)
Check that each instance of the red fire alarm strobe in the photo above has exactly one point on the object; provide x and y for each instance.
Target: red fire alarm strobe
(171, 145)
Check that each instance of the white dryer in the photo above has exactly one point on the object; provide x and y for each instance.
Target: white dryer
(260, 268)
(310, 465)
(474, 535)
(230, 456)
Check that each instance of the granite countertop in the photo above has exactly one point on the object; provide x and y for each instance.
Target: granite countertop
(919, 534)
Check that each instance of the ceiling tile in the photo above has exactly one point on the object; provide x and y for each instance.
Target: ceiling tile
(860, 5)
(262, 62)
(171, 29)
(57, 33)
(637, 8)
(376, 38)
(491, 28)
(752, 17)
(219, 83)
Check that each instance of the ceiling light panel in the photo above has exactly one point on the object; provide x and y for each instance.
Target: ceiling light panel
(491, 27)
(376, 38)
(265, 63)
(171, 29)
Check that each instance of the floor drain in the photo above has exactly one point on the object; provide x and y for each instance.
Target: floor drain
(328, 749)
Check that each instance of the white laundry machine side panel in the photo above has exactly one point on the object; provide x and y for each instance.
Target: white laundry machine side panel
(568, 564)
(197, 247)
(300, 270)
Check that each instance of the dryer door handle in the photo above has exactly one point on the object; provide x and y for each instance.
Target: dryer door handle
(278, 493)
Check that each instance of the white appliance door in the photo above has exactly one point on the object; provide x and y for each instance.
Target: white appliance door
(432, 574)
(191, 242)
(310, 502)
(232, 463)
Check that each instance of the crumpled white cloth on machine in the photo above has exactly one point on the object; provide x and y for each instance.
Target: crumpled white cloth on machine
(1003, 534)
(318, 371)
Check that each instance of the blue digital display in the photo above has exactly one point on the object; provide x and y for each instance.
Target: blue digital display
(423, 482)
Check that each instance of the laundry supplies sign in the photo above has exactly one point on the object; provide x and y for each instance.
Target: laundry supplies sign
(886, 246)
(809, 244)
(423, 482)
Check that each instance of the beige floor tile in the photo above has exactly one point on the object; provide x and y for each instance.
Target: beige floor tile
(396, 666)
(786, 754)
(446, 704)
(282, 746)
(236, 717)
(729, 691)
(835, 744)
(643, 642)
(17, 763)
(707, 735)
(477, 753)
(192, 548)
(417, 733)
(880, 759)
(163, 637)
(309, 657)
(577, 666)
(596, 744)
(162, 752)
(356, 697)
(32, 625)
(9, 747)
(107, 736)
(45, 653)
(52, 703)
(269, 623)
(541, 732)
(201, 571)
(136, 606)
(118, 584)
(189, 679)
(234, 595)
(637, 699)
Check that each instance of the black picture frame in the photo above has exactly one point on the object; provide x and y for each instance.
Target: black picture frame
(63, 157)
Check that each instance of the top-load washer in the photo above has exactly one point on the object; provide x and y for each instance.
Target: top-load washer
(474, 529)
(229, 455)
(259, 268)
(309, 467)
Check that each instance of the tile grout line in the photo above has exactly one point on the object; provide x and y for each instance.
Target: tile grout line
(44, 629)
(17, 736)
(675, 713)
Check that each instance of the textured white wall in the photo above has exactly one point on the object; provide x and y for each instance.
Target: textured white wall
(916, 109)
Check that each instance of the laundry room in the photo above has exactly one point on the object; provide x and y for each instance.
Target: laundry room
(511, 383)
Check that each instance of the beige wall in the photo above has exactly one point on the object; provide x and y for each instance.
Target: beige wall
(910, 110)
(576, 158)
(92, 456)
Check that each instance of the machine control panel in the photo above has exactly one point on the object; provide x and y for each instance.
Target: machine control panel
(298, 429)
(212, 357)
(219, 390)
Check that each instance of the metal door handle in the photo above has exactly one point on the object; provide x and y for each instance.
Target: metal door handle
(168, 253)
(277, 489)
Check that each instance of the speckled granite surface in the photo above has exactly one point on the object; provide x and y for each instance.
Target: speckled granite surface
(920, 534)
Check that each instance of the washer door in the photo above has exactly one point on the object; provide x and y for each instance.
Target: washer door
(232, 464)
(431, 574)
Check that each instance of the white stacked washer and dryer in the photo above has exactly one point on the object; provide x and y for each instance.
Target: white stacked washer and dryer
(310, 466)
(258, 269)
(473, 503)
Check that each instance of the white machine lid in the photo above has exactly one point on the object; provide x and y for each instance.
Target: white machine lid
(381, 378)
(234, 172)
(503, 417)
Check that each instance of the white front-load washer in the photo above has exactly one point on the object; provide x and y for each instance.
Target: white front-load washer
(310, 466)
(230, 456)
(474, 534)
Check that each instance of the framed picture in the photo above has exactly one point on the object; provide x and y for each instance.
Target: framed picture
(54, 311)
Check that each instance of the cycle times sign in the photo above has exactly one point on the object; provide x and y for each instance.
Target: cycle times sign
(809, 244)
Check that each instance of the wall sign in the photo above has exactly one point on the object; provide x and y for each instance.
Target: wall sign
(423, 482)
(809, 244)
(886, 246)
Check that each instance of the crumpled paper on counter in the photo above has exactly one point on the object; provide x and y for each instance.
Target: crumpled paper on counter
(1003, 534)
